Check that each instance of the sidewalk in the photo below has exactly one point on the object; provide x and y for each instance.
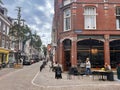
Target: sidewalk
(5, 71)
(46, 80)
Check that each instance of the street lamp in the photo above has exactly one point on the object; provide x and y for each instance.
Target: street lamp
(94, 50)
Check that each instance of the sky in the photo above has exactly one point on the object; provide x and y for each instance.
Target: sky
(38, 15)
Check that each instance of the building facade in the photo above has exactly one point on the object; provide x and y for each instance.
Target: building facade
(5, 24)
(86, 28)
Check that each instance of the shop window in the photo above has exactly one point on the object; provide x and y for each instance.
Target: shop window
(90, 18)
(4, 58)
(118, 17)
(67, 19)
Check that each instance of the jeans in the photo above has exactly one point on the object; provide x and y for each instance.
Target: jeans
(88, 71)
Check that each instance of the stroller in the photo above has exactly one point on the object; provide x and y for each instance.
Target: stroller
(58, 72)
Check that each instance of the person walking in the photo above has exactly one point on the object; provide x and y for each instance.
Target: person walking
(88, 67)
(41, 67)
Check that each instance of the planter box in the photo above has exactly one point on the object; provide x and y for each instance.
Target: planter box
(17, 66)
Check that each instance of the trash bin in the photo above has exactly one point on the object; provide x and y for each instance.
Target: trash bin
(110, 76)
(118, 71)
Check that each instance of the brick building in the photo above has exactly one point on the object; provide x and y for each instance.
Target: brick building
(86, 28)
(5, 24)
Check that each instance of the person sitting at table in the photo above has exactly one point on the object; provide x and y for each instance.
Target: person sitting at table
(107, 67)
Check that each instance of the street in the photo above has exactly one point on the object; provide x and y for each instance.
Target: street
(19, 79)
(30, 78)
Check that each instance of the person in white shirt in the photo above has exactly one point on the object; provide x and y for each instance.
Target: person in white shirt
(107, 67)
(88, 67)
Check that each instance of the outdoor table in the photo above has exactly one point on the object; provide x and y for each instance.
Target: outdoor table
(102, 74)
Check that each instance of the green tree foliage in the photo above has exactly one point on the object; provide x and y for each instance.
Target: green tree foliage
(35, 41)
(44, 50)
(19, 32)
(24, 33)
(1, 2)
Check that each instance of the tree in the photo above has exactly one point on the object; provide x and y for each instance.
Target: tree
(1, 2)
(35, 41)
(20, 33)
(44, 50)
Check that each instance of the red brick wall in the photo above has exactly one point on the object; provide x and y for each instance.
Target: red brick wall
(105, 19)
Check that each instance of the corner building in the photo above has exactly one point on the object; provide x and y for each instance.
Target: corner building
(5, 24)
(86, 28)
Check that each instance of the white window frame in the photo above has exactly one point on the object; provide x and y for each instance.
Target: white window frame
(8, 28)
(66, 2)
(7, 44)
(4, 29)
(118, 18)
(67, 20)
(3, 42)
(90, 17)
(0, 23)
(105, 0)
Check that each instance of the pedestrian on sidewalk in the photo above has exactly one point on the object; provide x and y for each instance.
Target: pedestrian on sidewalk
(55, 64)
(51, 67)
(88, 67)
(41, 67)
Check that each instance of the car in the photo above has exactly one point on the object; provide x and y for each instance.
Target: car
(26, 60)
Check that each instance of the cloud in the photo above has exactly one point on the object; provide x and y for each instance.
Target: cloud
(47, 8)
(37, 20)
(37, 14)
(33, 27)
(26, 11)
(40, 8)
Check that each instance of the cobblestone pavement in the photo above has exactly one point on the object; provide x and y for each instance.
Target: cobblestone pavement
(46, 80)
(30, 78)
(5, 71)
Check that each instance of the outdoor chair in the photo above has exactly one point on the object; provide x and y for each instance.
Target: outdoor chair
(73, 71)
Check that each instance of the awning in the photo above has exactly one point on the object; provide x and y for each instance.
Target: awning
(3, 50)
